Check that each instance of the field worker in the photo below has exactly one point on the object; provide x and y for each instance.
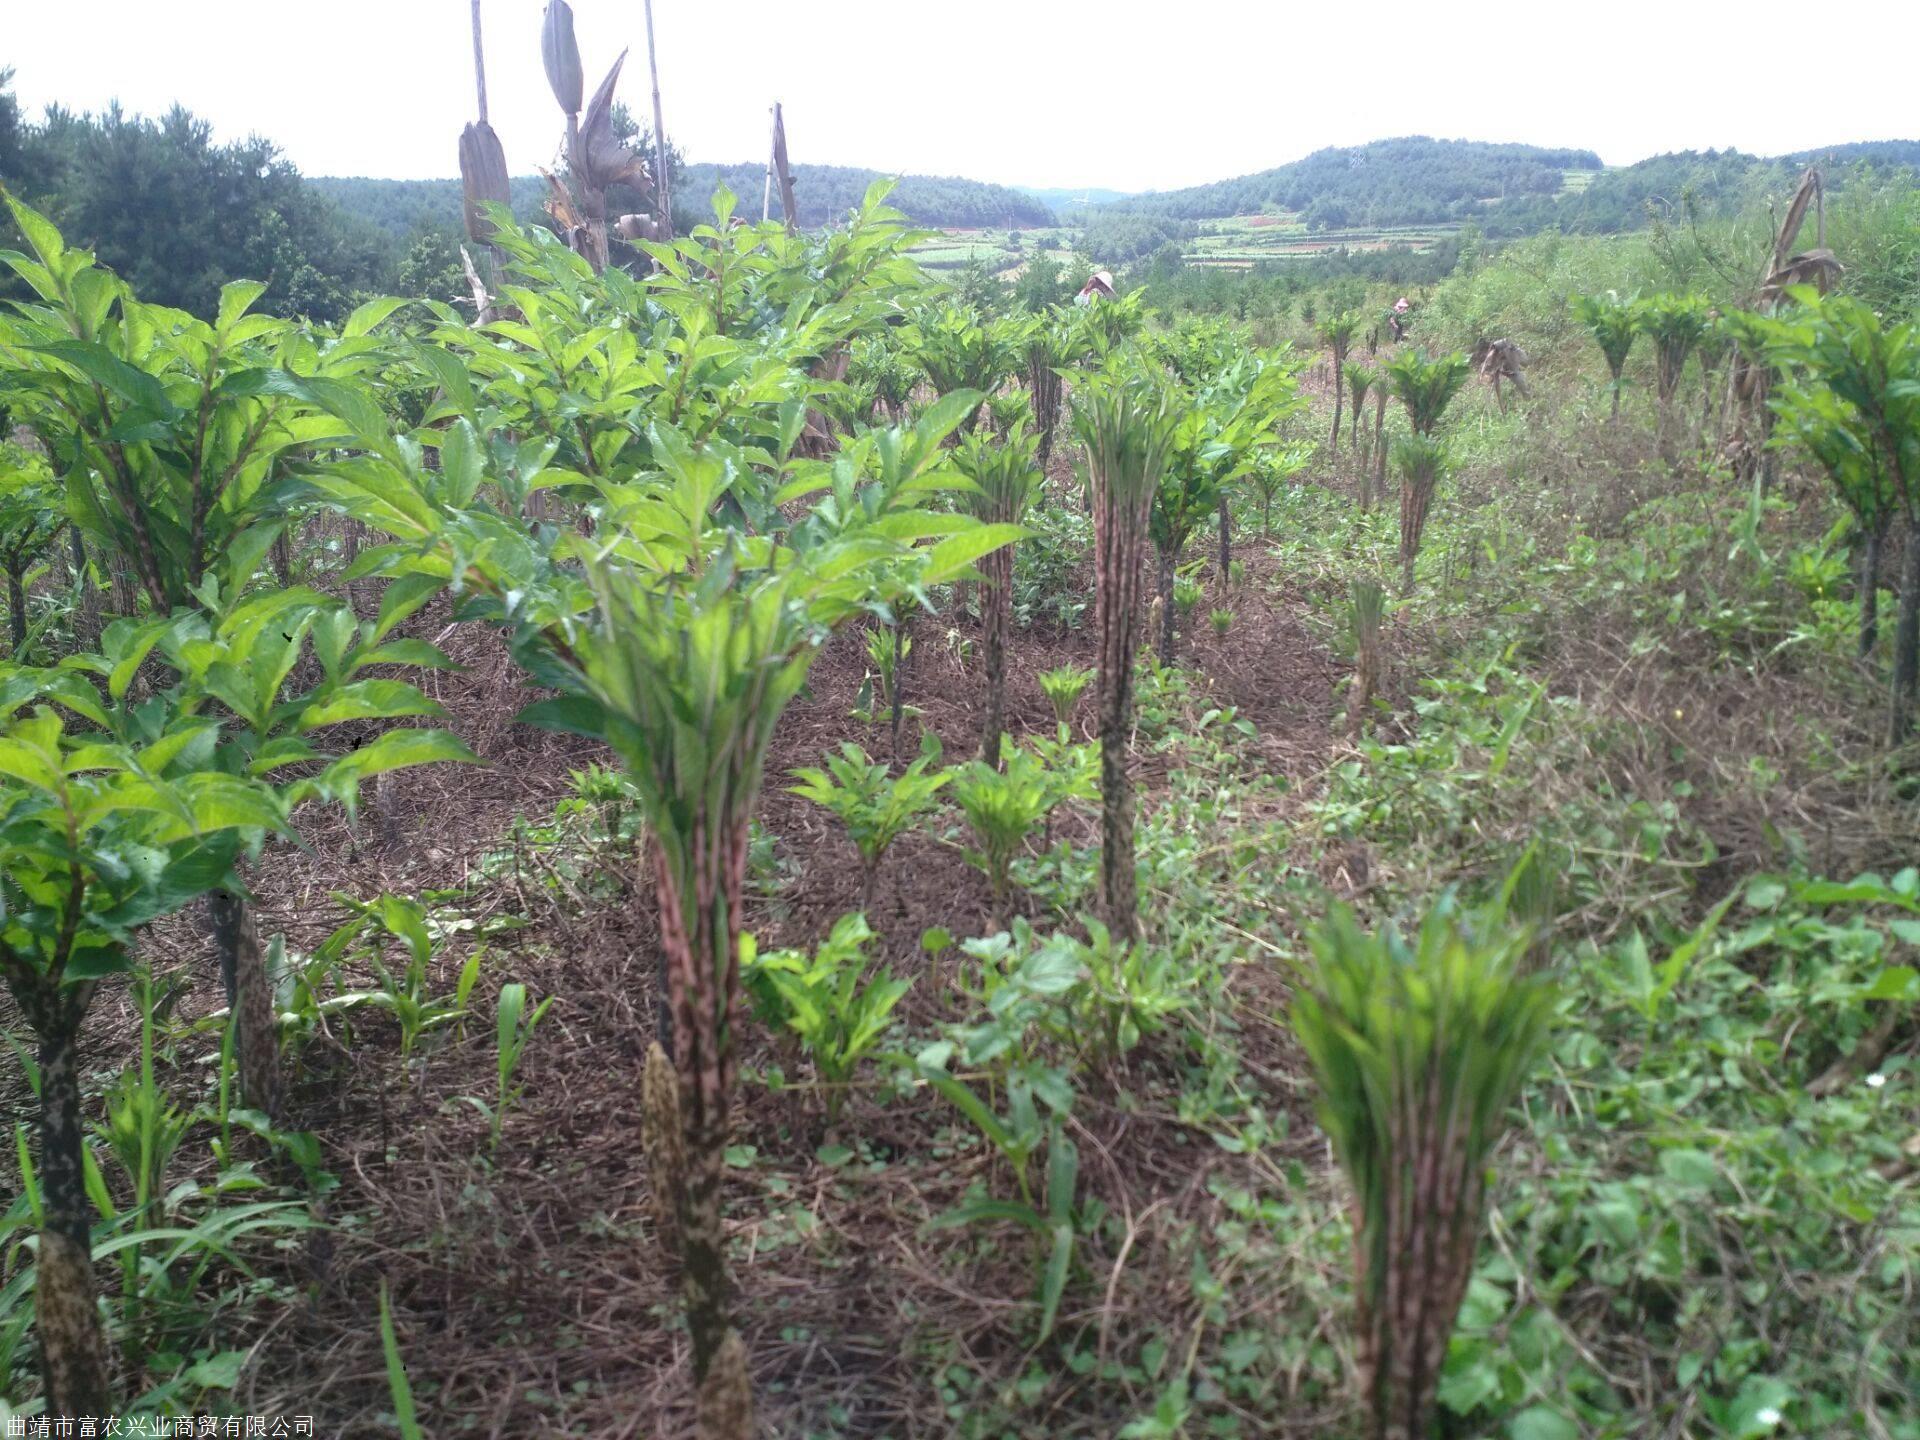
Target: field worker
(1100, 285)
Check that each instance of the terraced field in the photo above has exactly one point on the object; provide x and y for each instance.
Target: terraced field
(995, 248)
(1235, 243)
(1244, 240)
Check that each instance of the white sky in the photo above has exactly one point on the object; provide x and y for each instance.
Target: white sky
(1037, 92)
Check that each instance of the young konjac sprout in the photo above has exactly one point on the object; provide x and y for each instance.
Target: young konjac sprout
(1610, 320)
(1063, 687)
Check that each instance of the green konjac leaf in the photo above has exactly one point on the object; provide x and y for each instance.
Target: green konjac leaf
(368, 700)
(113, 374)
(398, 749)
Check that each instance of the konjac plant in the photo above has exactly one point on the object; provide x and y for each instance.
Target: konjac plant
(1051, 347)
(1854, 401)
(177, 438)
(1418, 1047)
(32, 515)
(1360, 378)
(1864, 475)
(1005, 475)
(1613, 324)
(1674, 325)
(98, 838)
(876, 808)
(1225, 416)
(680, 627)
(960, 349)
(1126, 421)
(1421, 461)
(1336, 333)
(1425, 388)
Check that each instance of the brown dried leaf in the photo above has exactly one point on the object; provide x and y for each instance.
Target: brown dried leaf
(1819, 268)
(597, 159)
(483, 178)
(560, 53)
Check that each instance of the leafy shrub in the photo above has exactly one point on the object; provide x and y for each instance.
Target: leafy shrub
(1128, 991)
(876, 808)
(1050, 586)
(827, 1000)
(1002, 808)
(1022, 991)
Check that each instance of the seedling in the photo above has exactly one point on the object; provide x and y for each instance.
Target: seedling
(876, 809)
(513, 1031)
(1063, 688)
(1002, 808)
(826, 999)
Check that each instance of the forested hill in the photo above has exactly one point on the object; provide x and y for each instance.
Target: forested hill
(1507, 189)
(825, 193)
(1714, 182)
(1410, 181)
(1904, 153)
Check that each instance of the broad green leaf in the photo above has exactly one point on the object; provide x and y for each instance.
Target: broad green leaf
(40, 231)
(369, 314)
(1896, 982)
(398, 749)
(236, 298)
(1053, 1281)
(460, 462)
(405, 652)
(972, 1212)
(1693, 1168)
(113, 374)
(402, 598)
(953, 557)
(368, 700)
(1537, 1422)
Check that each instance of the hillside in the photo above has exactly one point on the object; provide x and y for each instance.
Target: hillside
(1408, 194)
(825, 192)
(1410, 181)
(1715, 181)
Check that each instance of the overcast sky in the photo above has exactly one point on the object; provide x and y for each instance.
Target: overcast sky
(1026, 92)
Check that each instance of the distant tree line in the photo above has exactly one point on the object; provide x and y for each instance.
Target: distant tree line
(1410, 181)
(1120, 237)
(1507, 190)
(825, 192)
(178, 215)
(1276, 289)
